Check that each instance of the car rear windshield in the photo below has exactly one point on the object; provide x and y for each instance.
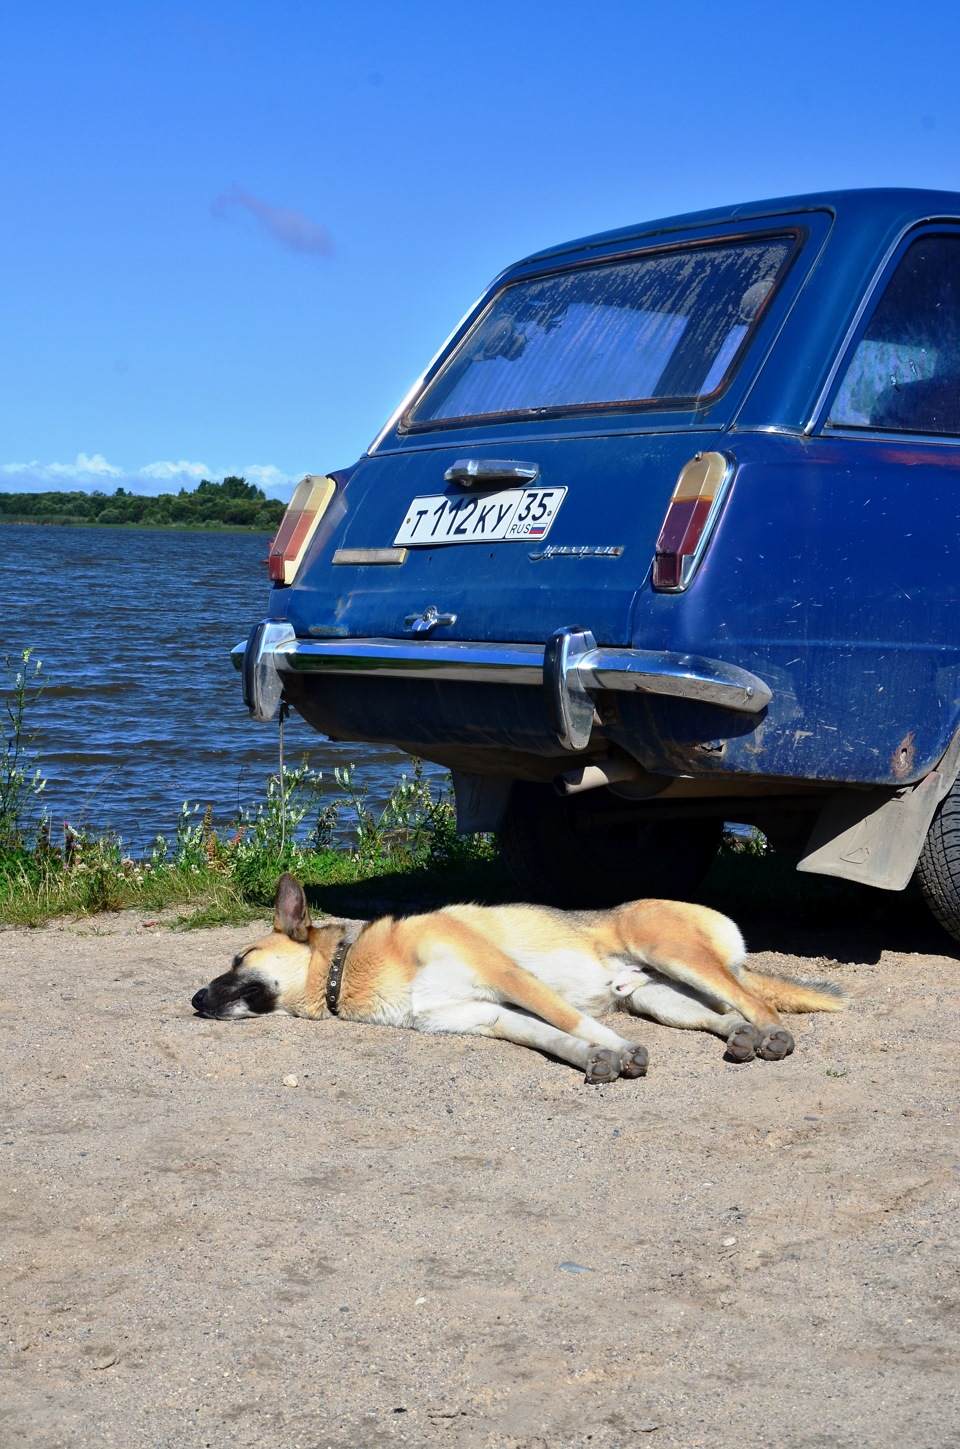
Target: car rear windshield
(664, 326)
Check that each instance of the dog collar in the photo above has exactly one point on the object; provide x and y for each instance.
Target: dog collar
(335, 974)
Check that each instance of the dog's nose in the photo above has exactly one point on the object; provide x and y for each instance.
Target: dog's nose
(198, 1001)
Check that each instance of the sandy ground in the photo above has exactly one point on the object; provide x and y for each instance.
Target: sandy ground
(450, 1241)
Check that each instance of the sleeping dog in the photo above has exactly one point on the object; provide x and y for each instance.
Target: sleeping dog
(527, 974)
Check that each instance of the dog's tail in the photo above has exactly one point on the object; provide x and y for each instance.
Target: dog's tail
(795, 995)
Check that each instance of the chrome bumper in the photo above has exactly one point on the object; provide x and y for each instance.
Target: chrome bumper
(568, 668)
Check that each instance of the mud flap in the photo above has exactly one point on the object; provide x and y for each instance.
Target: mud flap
(481, 801)
(875, 836)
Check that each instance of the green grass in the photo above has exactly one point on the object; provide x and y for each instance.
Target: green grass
(216, 877)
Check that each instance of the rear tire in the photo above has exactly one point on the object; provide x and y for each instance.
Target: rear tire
(553, 859)
(938, 868)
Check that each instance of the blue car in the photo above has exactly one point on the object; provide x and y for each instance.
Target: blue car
(666, 536)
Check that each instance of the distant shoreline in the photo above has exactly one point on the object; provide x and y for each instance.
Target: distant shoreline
(27, 522)
(232, 506)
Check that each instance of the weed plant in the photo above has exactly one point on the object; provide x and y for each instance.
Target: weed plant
(21, 783)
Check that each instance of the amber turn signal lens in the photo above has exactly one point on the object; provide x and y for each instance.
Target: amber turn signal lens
(691, 514)
(310, 500)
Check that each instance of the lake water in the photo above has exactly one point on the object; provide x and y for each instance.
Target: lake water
(142, 707)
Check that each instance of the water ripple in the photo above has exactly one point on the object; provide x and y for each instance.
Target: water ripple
(142, 708)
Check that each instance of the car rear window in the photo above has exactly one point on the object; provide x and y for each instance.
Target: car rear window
(669, 325)
(905, 372)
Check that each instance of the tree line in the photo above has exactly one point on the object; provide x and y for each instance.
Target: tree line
(234, 503)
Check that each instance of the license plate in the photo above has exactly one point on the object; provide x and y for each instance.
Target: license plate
(514, 513)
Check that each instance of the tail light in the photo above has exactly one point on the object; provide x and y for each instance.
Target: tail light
(691, 515)
(310, 500)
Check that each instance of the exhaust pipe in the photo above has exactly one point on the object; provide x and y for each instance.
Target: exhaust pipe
(611, 772)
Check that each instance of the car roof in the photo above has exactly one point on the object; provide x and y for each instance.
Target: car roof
(878, 208)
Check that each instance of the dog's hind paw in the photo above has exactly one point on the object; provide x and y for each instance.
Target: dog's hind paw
(743, 1042)
(602, 1066)
(775, 1045)
(633, 1061)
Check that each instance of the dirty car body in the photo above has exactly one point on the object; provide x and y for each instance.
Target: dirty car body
(665, 536)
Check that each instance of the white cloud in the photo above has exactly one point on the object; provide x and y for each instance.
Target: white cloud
(97, 466)
(173, 471)
(270, 479)
(90, 472)
(84, 467)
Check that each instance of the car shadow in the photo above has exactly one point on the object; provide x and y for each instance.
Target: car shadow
(407, 893)
(777, 908)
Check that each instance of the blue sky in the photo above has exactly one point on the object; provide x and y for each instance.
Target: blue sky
(235, 233)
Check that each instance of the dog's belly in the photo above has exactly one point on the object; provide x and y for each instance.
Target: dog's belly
(445, 981)
(575, 975)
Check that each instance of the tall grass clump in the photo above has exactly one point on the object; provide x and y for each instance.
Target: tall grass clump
(40, 875)
(21, 782)
(334, 835)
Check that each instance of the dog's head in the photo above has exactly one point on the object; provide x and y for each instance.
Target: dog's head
(280, 973)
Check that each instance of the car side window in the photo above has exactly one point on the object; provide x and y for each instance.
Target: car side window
(905, 372)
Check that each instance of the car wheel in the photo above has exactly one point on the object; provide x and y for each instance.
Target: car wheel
(938, 868)
(554, 855)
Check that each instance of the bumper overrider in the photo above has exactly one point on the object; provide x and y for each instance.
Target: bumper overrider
(570, 668)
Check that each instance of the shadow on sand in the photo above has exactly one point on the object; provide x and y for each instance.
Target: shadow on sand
(777, 908)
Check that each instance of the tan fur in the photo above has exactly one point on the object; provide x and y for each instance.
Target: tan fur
(792, 995)
(528, 974)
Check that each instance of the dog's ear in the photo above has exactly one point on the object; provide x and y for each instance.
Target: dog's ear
(291, 914)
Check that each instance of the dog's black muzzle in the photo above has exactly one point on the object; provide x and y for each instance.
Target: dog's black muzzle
(199, 1001)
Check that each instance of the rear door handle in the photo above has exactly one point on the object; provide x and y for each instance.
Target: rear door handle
(479, 472)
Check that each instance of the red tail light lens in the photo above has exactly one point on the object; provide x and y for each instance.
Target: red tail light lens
(691, 515)
(310, 500)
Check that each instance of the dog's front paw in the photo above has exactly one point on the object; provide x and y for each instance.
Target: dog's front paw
(603, 1065)
(742, 1043)
(775, 1044)
(633, 1061)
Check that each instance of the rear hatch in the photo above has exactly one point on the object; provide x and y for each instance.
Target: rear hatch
(584, 384)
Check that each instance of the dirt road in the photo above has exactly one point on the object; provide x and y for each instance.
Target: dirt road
(449, 1241)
